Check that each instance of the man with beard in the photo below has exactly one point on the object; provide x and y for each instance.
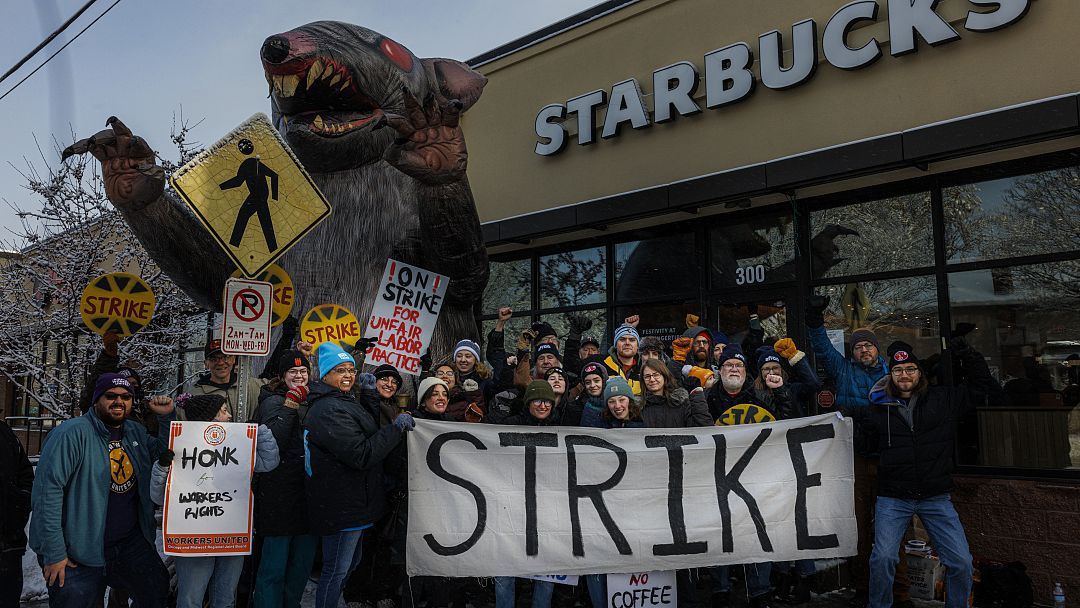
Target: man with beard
(623, 360)
(86, 535)
(694, 347)
(222, 380)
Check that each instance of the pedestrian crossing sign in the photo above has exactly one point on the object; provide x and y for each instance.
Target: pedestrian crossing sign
(253, 195)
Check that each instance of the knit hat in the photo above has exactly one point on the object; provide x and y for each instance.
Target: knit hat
(468, 345)
(651, 343)
(212, 347)
(203, 408)
(901, 352)
(129, 373)
(696, 331)
(107, 381)
(385, 370)
(594, 368)
(625, 330)
(765, 354)
(731, 351)
(538, 389)
(545, 329)
(331, 355)
(590, 340)
(863, 335)
(616, 387)
(426, 385)
(719, 337)
(290, 359)
(548, 349)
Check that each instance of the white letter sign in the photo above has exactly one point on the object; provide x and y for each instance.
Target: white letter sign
(249, 310)
(487, 500)
(404, 315)
(207, 509)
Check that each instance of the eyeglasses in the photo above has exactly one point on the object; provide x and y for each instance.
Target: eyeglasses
(647, 377)
(701, 341)
(733, 366)
(297, 372)
(863, 346)
(388, 379)
(117, 396)
(342, 371)
(217, 358)
(442, 373)
(905, 371)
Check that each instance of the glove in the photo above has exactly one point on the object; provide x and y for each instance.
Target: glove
(297, 395)
(692, 320)
(524, 341)
(815, 311)
(680, 348)
(755, 322)
(473, 413)
(404, 422)
(425, 360)
(112, 343)
(366, 382)
(579, 324)
(364, 345)
(165, 458)
(786, 348)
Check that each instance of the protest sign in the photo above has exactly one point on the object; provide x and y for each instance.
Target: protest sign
(207, 509)
(330, 323)
(404, 314)
(513, 501)
(642, 589)
(118, 302)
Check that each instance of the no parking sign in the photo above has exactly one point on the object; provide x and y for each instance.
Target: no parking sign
(248, 311)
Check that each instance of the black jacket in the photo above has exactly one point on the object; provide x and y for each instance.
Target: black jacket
(346, 448)
(777, 403)
(280, 496)
(16, 479)
(680, 410)
(917, 457)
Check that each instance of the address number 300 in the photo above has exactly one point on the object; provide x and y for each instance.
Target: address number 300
(749, 275)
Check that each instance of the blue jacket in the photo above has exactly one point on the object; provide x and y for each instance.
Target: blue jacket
(71, 489)
(853, 380)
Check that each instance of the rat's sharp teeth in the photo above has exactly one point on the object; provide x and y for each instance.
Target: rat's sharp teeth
(318, 122)
(288, 85)
(329, 70)
(335, 79)
(313, 72)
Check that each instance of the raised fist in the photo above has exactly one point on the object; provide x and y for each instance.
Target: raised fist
(680, 348)
(815, 310)
(505, 313)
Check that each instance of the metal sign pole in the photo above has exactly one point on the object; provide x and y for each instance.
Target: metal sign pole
(243, 372)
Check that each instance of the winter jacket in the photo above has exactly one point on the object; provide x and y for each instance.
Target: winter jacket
(802, 386)
(204, 386)
(917, 447)
(777, 403)
(615, 368)
(267, 457)
(589, 410)
(280, 495)
(16, 480)
(460, 398)
(346, 448)
(71, 489)
(525, 418)
(679, 410)
(602, 422)
(853, 380)
(504, 404)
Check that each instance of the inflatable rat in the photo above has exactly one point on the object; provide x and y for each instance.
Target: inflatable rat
(377, 129)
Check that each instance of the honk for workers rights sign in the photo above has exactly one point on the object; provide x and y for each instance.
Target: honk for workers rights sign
(513, 501)
(403, 316)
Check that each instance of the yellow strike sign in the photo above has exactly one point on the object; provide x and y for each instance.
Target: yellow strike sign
(330, 323)
(118, 302)
(284, 292)
(252, 194)
(744, 413)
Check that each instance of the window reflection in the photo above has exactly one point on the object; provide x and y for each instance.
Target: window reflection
(898, 309)
(1024, 320)
(662, 321)
(875, 236)
(513, 329)
(573, 278)
(656, 267)
(560, 323)
(510, 284)
(755, 251)
(1025, 215)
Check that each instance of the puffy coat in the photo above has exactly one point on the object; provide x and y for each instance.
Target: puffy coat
(16, 479)
(267, 458)
(853, 380)
(777, 403)
(345, 452)
(280, 494)
(71, 488)
(917, 446)
(680, 410)
(615, 368)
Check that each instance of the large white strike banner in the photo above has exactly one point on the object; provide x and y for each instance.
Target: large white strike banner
(490, 500)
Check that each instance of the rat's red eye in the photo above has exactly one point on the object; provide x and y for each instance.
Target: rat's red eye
(396, 53)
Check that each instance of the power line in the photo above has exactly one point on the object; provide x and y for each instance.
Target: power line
(45, 42)
(68, 43)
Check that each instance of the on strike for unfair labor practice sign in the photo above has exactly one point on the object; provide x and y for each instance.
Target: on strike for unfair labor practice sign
(248, 312)
(403, 317)
(207, 507)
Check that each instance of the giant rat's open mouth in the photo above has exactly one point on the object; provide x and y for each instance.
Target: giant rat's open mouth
(318, 94)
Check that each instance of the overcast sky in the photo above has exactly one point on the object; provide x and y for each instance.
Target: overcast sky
(147, 60)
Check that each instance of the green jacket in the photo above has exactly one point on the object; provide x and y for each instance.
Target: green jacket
(71, 489)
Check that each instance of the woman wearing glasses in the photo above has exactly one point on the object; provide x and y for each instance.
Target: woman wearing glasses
(345, 448)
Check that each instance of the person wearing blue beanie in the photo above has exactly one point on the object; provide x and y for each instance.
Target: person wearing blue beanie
(332, 355)
(623, 359)
(625, 330)
(767, 354)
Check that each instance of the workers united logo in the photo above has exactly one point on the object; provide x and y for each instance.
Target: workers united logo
(121, 470)
(214, 434)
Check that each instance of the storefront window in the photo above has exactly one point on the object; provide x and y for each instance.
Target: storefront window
(511, 332)
(898, 309)
(656, 268)
(573, 278)
(560, 322)
(752, 252)
(734, 320)
(1025, 321)
(875, 236)
(664, 321)
(1025, 215)
(510, 284)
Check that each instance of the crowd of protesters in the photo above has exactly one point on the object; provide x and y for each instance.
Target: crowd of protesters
(331, 469)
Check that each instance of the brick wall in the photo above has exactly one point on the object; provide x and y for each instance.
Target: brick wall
(1034, 522)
